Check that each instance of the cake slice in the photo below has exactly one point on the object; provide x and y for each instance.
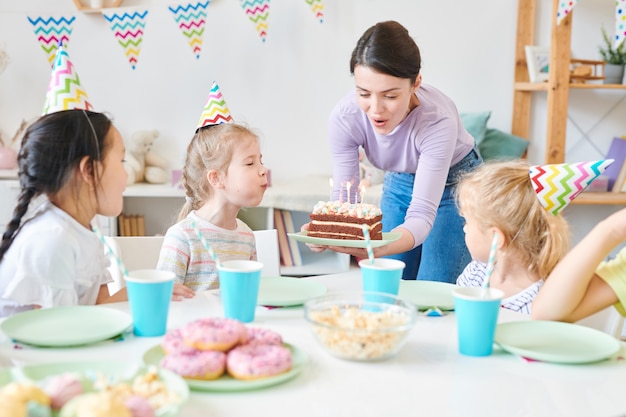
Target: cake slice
(336, 220)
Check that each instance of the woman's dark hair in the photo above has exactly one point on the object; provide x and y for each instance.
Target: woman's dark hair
(388, 48)
(51, 150)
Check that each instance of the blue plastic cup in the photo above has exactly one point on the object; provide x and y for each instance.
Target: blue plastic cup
(476, 310)
(239, 288)
(149, 295)
(384, 275)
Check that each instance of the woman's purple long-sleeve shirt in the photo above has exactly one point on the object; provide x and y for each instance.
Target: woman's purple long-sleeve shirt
(427, 143)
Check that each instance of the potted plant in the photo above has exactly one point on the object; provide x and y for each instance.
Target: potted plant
(614, 58)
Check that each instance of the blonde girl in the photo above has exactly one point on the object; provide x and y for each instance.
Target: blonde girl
(223, 173)
(498, 198)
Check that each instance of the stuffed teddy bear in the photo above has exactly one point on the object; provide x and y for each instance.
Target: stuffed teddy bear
(142, 164)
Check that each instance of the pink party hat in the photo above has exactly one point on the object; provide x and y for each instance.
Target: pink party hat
(557, 185)
(215, 110)
(64, 90)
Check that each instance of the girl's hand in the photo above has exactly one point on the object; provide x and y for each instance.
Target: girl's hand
(314, 248)
(181, 292)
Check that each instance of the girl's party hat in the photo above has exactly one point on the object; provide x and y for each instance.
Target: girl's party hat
(215, 110)
(64, 90)
(557, 185)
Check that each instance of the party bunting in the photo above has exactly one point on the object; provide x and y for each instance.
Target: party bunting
(215, 110)
(129, 30)
(191, 20)
(565, 7)
(620, 22)
(258, 12)
(317, 7)
(64, 90)
(51, 32)
(557, 185)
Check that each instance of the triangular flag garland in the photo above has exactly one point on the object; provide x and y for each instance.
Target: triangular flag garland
(215, 111)
(191, 20)
(64, 89)
(51, 32)
(317, 7)
(565, 7)
(557, 185)
(258, 12)
(129, 30)
(620, 22)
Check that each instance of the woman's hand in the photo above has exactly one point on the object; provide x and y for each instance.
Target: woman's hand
(314, 248)
(181, 292)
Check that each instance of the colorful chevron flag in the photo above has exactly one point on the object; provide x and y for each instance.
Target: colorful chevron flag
(258, 12)
(64, 89)
(129, 30)
(215, 110)
(317, 7)
(557, 185)
(51, 32)
(191, 20)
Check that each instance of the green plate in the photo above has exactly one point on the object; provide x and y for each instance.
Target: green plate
(226, 383)
(112, 371)
(66, 326)
(302, 237)
(553, 341)
(427, 294)
(285, 291)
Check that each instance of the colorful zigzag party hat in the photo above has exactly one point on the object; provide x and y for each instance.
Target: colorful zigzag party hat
(64, 89)
(215, 110)
(557, 185)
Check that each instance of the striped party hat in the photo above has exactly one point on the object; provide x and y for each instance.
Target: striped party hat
(215, 110)
(64, 90)
(557, 185)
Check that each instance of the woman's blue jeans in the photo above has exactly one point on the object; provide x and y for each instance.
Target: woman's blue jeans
(443, 255)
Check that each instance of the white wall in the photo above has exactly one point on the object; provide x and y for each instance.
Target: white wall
(286, 86)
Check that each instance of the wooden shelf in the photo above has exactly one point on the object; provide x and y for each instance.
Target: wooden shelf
(83, 5)
(557, 90)
(600, 198)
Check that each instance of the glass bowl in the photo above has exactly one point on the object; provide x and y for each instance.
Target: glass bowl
(366, 326)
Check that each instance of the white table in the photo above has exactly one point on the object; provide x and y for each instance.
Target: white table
(427, 378)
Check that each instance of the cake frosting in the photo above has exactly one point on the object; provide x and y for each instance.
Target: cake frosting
(337, 220)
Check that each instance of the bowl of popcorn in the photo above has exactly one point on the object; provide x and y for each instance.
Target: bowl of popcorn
(363, 327)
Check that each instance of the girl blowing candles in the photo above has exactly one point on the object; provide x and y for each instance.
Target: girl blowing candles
(223, 173)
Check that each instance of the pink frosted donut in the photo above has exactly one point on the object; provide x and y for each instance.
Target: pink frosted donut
(214, 333)
(258, 361)
(260, 336)
(173, 343)
(206, 365)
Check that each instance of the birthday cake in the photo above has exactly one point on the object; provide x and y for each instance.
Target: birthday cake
(336, 220)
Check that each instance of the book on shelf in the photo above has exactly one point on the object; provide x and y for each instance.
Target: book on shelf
(283, 239)
(617, 152)
(296, 256)
(131, 225)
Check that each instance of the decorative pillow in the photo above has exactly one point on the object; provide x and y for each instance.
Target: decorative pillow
(476, 124)
(500, 145)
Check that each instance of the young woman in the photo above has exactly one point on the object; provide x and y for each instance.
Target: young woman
(413, 132)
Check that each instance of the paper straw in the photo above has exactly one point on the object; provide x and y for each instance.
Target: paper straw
(112, 254)
(491, 261)
(205, 243)
(368, 243)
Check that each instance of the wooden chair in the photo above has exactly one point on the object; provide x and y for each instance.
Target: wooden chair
(607, 320)
(267, 252)
(136, 252)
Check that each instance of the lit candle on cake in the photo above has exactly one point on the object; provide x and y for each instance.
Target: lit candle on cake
(348, 185)
(330, 183)
(363, 194)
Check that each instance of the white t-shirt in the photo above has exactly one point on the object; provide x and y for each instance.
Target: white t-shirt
(53, 261)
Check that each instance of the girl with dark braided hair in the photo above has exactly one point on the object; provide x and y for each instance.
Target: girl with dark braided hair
(71, 167)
